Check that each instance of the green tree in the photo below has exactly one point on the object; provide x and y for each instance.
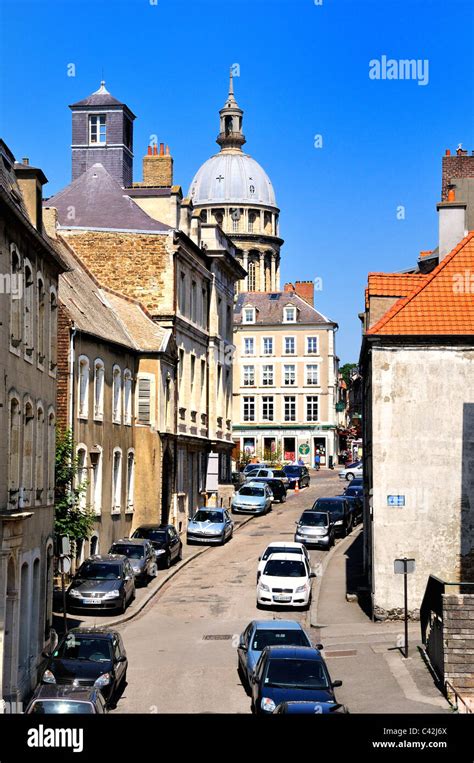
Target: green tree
(70, 517)
(345, 372)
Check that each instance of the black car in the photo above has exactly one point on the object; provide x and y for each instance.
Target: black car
(88, 657)
(356, 482)
(276, 486)
(340, 512)
(297, 474)
(141, 555)
(355, 495)
(287, 673)
(104, 581)
(165, 541)
(66, 700)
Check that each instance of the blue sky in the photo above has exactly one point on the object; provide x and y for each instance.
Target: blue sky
(304, 71)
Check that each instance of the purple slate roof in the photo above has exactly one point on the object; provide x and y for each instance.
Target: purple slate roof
(98, 201)
(269, 308)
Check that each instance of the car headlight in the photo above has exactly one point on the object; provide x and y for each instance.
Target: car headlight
(214, 532)
(159, 551)
(267, 705)
(111, 595)
(48, 677)
(103, 680)
(301, 588)
(339, 522)
(264, 587)
(74, 592)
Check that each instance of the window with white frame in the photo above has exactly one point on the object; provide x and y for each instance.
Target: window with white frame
(28, 311)
(249, 376)
(130, 479)
(249, 345)
(39, 453)
(97, 130)
(28, 452)
(14, 448)
(127, 397)
(40, 321)
(289, 314)
(96, 479)
(249, 409)
(53, 330)
(99, 377)
(16, 277)
(290, 408)
(312, 345)
(289, 345)
(289, 375)
(312, 408)
(81, 474)
(267, 345)
(83, 387)
(116, 395)
(267, 408)
(248, 315)
(312, 374)
(51, 453)
(267, 376)
(116, 480)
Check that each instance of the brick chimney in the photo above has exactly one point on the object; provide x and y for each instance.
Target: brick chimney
(460, 165)
(31, 181)
(158, 167)
(304, 289)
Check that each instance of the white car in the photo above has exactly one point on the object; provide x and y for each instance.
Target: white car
(285, 581)
(351, 471)
(281, 547)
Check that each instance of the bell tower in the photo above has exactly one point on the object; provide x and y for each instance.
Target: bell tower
(102, 131)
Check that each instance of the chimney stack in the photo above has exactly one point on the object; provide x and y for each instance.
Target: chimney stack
(31, 181)
(158, 168)
(304, 289)
(451, 223)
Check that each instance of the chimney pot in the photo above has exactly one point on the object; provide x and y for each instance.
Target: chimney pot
(448, 152)
(162, 149)
(25, 160)
(150, 150)
(167, 150)
(451, 194)
(155, 150)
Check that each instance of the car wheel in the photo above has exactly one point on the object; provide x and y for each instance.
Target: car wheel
(180, 554)
(349, 476)
(283, 498)
(168, 560)
(153, 571)
(123, 606)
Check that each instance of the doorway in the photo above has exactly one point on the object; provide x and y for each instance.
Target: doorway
(289, 448)
(269, 448)
(319, 446)
(166, 486)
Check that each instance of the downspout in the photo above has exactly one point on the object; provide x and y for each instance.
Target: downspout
(71, 379)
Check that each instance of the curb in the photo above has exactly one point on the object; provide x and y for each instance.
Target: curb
(313, 618)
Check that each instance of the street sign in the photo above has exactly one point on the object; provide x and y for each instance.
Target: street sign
(64, 565)
(396, 500)
(402, 566)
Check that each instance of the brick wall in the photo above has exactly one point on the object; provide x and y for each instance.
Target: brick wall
(458, 641)
(455, 167)
(62, 374)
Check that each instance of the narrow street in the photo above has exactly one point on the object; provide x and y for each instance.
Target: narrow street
(175, 664)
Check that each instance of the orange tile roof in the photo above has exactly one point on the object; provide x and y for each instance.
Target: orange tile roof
(441, 304)
(393, 284)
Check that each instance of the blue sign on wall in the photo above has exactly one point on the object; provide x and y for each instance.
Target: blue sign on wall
(395, 500)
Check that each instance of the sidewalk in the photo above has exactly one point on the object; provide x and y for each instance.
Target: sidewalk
(364, 654)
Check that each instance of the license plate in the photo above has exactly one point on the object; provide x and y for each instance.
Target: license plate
(92, 601)
(282, 598)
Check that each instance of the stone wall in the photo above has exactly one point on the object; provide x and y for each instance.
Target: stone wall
(458, 641)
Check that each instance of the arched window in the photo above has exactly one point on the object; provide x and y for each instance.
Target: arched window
(116, 480)
(35, 609)
(99, 374)
(53, 330)
(28, 311)
(24, 624)
(27, 465)
(96, 457)
(252, 275)
(40, 318)
(81, 474)
(48, 598)
(14, 448)
(130, 479)
(15, 299)
(252, 218)
(83, 387)
(94, 545)
(116, 395)
(127, 397)
(39, 451)
(51, 453)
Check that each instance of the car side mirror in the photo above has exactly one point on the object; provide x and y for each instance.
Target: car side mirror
(319, 646)
(122, 658)
(128, 577)
(242, 646)
(335, 684)
(312, 574)
(259, 558)
(46, 654)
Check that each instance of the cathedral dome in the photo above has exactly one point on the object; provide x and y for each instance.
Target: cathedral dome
(231, 178)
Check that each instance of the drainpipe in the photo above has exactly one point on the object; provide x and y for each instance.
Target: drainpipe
(71, 379)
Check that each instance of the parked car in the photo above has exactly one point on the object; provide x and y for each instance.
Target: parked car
(253, 467)
(88, 657)
(341, 513)
(303, 707)
(210, 526)
(66, 700)
(261, 633)
(103, 581)
(355, 495)
(281, 547)
(285, 580)
(165, 540)
(356, 482)
(297, 475)
(277, 487)
(238, 479)
(285, 673)
(351, 471)
(315, 528)
(140, 554)
(268, 474)
(252, 498)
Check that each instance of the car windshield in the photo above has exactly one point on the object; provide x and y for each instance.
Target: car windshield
(296, 674)
(353, 465)
(208, 516)
(84, 648)
(98, 571)
(292, 470)
(255, 491)
(156, 535)
(314, 520)
(263, 638)
(61, 706)
(276, 550)
(133, 552)
(285, 568)
(355, 491)
(335, 507)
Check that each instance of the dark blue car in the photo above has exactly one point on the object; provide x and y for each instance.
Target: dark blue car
(297, 707)
(287, 673)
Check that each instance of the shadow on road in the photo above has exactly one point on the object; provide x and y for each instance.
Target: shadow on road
(356, 581)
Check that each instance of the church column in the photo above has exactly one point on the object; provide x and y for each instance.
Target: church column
(272, 272)
(262, 271)
(244, 221)
(262, 220)
(246, 267)
(277, 284)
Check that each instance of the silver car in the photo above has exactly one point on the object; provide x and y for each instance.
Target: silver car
(252, 498)
(268, 474)
(210, 526)
(141, 556)
(315, 528)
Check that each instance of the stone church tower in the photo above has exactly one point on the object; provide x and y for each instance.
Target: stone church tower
(232, 190)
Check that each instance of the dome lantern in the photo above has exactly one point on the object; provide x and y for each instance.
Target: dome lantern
(230, 136)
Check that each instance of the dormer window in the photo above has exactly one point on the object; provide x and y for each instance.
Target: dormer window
(249, 315)
(97, 130)
(289, 314)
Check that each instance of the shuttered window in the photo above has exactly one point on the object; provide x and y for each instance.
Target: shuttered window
(144, 401)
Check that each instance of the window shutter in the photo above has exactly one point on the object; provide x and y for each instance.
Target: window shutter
(144, 400)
